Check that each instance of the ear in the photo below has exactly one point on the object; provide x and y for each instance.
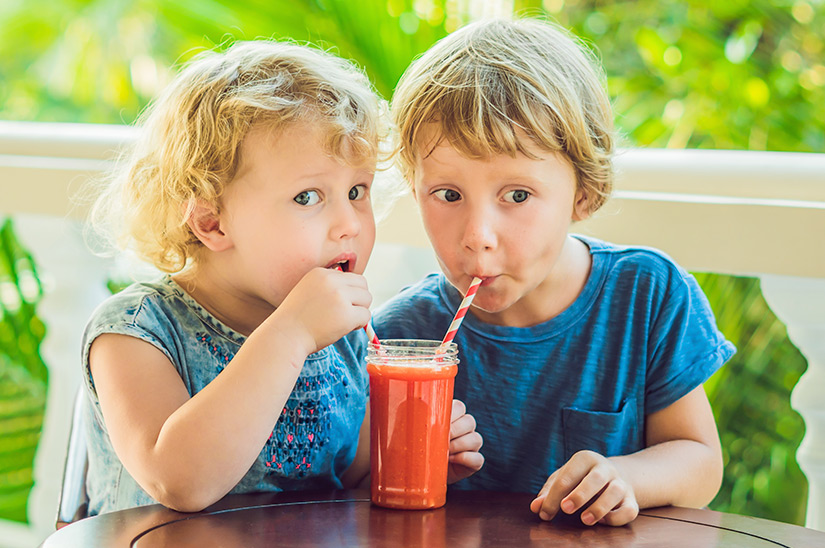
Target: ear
(581, 207)
(205, 224)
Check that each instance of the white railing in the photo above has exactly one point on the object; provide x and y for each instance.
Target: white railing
(748, 213)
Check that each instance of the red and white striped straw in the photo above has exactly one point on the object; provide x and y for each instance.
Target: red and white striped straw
(462, 311)
(374, 340)
(371, 334)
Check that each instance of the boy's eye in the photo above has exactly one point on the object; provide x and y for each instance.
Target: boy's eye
(308, 198)
(448, 195)
(358, 192)
(516, 196)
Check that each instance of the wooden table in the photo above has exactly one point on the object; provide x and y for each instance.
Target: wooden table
(470, 519)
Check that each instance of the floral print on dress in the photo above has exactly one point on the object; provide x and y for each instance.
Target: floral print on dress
(304, 426)
(223, 357)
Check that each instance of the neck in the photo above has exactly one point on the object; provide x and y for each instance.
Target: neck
(219, 295)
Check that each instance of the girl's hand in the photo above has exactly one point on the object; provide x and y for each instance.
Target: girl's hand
(590, 482)
(326, 305)
(465, 460)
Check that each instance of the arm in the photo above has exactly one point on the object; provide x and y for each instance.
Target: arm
(681, 465)
(189, 452)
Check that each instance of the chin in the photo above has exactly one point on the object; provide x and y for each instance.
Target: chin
(491, 306)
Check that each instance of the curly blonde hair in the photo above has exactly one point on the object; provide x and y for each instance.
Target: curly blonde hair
(189, 139)
(491, 82)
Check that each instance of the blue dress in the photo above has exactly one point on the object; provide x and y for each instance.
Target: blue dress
(314, 439)
(639, 337)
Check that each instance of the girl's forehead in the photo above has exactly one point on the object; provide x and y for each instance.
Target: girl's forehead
(264, 137)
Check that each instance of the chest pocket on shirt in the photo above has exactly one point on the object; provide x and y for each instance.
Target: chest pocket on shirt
(607, 433)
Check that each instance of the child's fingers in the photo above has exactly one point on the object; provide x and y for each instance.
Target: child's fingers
(556, 488)
(623, 514)
(468, 442)
(591, 486)
(611, 497)
(564, 481)
(473, 460)
(356, 295)
(535, 506)
(463, 465)
(458, 409)
(546, 487)
(462, 426)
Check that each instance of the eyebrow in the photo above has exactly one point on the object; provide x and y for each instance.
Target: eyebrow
(524, 179)
(311, 175)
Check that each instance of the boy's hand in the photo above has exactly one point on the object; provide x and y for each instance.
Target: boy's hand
(590, 482)
(465, 460)
(326, 305)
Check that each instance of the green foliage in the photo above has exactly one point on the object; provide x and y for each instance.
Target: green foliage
(750, 397)
(707, 74)
(23, 374)
(699, 74)
(103, 60)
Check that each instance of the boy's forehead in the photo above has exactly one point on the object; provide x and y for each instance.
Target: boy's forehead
(432, 136)
(442, 160)
(429, 136)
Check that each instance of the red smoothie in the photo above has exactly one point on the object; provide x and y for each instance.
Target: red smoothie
(410, 405)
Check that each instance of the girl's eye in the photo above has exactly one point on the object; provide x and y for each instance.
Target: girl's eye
(307, 198)
(358, 192)
(516, 196)
(447, 194)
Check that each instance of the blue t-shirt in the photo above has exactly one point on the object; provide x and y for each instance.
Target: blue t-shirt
(312, 443)
(639, 336)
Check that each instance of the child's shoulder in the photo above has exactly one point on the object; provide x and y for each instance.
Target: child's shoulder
(424, 288)
(634, 259)
(137, 298)
(633, 272)
(137, 292)
(427, 294)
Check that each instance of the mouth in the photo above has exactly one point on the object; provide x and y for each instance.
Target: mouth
(342, 266)
(487, 280)
(343, 263)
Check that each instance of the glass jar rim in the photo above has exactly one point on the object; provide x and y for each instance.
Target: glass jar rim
(413, 349)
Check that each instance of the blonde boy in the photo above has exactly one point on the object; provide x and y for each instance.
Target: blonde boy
(582, 361)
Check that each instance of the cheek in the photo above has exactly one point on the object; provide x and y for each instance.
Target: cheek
(368, 227)
(286, 274)
(531, 241)
(291, 254)
(281, 279)
(442, 230)
(366, 244)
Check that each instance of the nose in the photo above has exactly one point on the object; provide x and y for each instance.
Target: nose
(346, 223)
(479, 230)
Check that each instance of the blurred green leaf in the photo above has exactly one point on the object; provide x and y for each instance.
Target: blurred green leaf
(23, 375)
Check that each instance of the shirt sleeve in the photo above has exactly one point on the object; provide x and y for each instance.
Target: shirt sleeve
(122, 316)
(686, 347)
